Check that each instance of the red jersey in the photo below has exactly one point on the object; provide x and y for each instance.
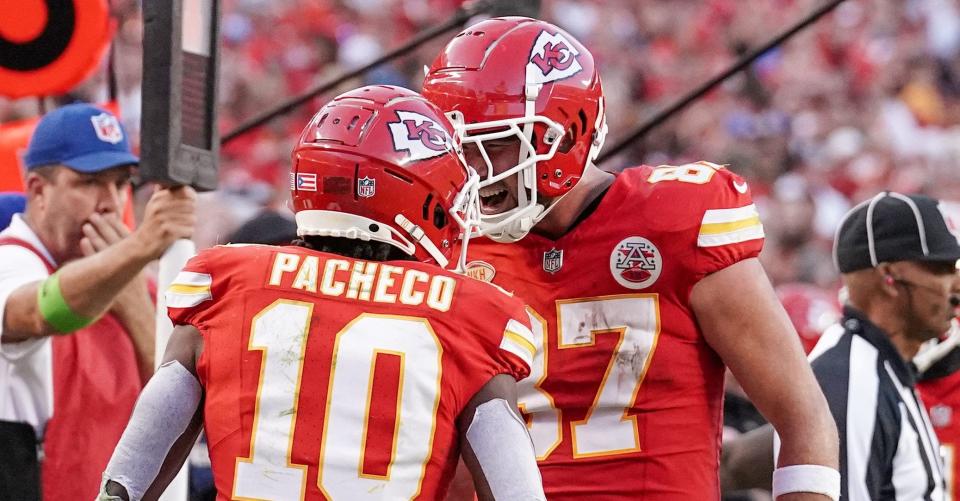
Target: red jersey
(624, 400)
(939, 387)
(330, 377)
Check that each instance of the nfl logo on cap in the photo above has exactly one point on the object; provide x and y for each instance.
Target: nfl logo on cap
(107, 128)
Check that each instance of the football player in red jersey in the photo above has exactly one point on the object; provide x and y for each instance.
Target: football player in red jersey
(641, 286)
(939, 385)
(349, 366)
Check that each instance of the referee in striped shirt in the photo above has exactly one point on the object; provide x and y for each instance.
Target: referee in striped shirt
(898, 260)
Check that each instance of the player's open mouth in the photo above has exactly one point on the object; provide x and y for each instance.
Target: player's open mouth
(496, 199)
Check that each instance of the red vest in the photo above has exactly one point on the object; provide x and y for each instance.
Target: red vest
(95, 385)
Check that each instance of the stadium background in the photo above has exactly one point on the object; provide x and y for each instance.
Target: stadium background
(866, 99)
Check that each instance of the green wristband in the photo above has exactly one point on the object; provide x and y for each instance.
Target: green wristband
(55, 309)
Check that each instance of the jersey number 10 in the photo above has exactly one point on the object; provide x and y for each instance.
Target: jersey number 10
(280, 331)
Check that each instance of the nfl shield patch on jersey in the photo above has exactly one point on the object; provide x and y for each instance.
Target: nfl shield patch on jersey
(552, 260)
(941, 415)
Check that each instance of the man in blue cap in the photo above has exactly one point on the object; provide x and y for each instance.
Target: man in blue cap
(69, 266)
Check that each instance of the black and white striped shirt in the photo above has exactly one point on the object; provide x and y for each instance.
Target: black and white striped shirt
(888, 449)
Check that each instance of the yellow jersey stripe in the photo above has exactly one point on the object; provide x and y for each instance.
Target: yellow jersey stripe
(729, 215)
(522, 341)
(189, 289)
(718, 228)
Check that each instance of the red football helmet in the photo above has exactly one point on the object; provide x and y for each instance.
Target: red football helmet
(811, 310)
(520, 77)
(382, 163)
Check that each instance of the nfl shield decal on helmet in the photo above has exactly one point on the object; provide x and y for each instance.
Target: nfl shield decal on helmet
(107, 128)
(366, 187)
(553, 57)
(480, 270)
(635, 263)
(419, 136)
(552, 260)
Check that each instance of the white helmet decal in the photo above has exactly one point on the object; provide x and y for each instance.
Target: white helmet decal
(420, 136)
(552, 58)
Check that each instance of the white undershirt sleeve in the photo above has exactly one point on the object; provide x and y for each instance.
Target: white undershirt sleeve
(503, 448)
(18, 267)
(162, 414)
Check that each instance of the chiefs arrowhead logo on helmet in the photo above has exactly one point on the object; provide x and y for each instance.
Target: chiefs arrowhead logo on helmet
(553, 58)
(419, 136)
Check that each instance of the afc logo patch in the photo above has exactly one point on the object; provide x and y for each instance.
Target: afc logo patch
(552, 58)
(366, 187)
(107, 128)
(419, 136)
(635, 263)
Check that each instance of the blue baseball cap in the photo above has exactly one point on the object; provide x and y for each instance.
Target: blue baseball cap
(82, 137)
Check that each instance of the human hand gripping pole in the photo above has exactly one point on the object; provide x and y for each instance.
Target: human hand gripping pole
(180, 144)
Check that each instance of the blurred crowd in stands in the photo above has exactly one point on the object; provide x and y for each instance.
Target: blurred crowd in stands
(866, 99)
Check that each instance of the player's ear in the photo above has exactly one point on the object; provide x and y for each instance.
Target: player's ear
(37, 182)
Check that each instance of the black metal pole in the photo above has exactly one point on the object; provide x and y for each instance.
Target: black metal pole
(111, 60)
(453, 23)
(707, 86)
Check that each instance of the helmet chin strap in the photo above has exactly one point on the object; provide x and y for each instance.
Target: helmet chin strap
(420, 237)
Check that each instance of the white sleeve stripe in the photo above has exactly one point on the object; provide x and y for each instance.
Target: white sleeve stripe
(733, 237)
(521, 330)
(178, 300)
(517, 349)
(713, 216)
(191, 278)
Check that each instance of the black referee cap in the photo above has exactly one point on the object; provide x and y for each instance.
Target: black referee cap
(894, 227)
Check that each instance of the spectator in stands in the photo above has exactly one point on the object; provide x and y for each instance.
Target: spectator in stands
(77, 326)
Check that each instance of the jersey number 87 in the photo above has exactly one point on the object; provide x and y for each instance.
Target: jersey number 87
(607, 427)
